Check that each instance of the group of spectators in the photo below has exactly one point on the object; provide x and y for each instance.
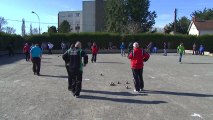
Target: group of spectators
(198, 50)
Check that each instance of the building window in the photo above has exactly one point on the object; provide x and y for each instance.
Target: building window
(77, 14)
(70, 15)
(77, 22)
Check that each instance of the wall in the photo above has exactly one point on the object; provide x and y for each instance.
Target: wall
(193, 30)
(88, 16)
(204, 32)
(73, 17)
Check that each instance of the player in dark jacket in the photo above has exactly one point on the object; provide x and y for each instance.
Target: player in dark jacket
(76, 68)
(66, 58)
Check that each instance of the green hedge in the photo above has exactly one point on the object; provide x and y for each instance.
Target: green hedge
(103, 39)
(5, 39)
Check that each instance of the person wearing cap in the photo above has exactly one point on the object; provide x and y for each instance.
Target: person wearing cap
(76, 68)
(35, 55)
(26, 51)
(137, 57)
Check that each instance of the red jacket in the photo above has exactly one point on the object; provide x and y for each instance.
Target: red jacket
(137, 58)
(26, 49)
(94, 49)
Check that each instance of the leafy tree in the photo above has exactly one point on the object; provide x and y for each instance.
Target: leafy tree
(10, 30)
(35, 31)
(23, 27)
(129, 16)
(2, 23)
(52, 29)
(206, 14)
(181, 26)
(31, 29)
(116, 15)
(64, 27)
(139, 14)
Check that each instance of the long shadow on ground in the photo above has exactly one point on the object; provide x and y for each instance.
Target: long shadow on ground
(109, 93)
(122, 100)
(111, 62)
(176, 93)
(5, 59)
(197, 63)
(60, 76)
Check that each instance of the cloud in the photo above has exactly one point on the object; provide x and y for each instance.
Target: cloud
(164, 17)
(54, 17)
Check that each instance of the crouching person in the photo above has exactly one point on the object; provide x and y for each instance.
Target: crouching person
(76, 68)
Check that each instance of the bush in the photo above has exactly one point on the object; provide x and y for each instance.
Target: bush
(16, 40)
(103, 39)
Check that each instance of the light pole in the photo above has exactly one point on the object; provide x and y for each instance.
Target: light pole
(38, 20)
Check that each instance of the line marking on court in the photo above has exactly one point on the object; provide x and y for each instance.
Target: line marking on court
(195, 75)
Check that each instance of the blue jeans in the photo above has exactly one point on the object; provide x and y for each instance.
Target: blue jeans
(180, 58)
(165, 52)
(122, 52)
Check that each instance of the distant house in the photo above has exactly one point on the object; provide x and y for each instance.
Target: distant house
(200, 27)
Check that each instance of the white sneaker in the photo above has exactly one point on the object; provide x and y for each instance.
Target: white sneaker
(136, 91)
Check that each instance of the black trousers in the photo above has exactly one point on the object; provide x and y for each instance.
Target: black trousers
(10, 52)
(94, 55)
(50, 51)
(69, 78)
(76, 77)
(138, 79)
(27, 56)
(36, 64)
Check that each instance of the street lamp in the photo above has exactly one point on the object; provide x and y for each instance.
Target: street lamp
(38, 20)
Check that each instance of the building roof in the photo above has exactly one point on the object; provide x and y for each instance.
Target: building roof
(203, 25)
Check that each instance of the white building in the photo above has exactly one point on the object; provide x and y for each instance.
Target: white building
(198, 27)
(73, 17)
(90, 19)
(88, 16)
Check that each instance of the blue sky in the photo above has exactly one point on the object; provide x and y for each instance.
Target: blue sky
(48, 11)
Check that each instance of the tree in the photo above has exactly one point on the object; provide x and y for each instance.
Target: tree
(52, 29)
(181, 26)
(23, 28)
(35, 31)
(31, 29)
(64, 27)
(139, 14)
(2, 23)
(116, 15)
(129, 15)
(10, 30)
(206, 14)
